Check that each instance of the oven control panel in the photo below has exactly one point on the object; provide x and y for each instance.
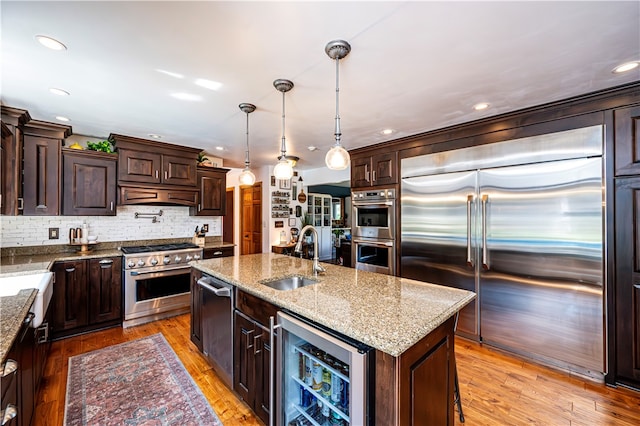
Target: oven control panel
(151, 260)
(374, 195)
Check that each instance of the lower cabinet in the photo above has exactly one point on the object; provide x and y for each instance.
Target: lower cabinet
(87, 295)
(212, 253)
(251, 352)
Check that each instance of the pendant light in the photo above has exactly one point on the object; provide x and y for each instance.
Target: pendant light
(247, 177)
(283, 169)
(337, 158)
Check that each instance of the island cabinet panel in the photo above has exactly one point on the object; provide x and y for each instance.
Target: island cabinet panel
(196, 309)
(417, 388)
(627, 141)
(252, 351)
(374, 170)
(627, 281)
(89, 183)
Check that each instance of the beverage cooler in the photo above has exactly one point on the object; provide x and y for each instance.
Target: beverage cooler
(322, 378)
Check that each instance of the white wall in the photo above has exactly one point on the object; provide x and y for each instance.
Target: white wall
(175, 222)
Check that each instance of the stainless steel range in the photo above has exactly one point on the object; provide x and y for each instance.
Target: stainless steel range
(157, 281)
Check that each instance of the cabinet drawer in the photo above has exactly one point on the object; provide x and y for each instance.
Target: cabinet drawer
(211, 253)
(255, 307)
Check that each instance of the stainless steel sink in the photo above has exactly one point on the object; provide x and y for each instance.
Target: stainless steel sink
(289, 283)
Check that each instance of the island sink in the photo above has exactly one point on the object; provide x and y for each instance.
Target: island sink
(289, 283)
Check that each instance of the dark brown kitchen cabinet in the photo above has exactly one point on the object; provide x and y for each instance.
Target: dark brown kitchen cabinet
(374, 170)
(89, 183)
(212, 186)
(627, 141)
(87, 295)
(196, 309)
(214, 252)
(627, 281)
(42, 143)
(251, 352)
(12, 121)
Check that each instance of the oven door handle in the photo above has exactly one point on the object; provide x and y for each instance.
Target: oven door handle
(218, 291)
(136, 273)
(375, 243)
(373, 203)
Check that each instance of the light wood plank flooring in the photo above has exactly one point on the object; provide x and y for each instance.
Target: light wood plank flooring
(496, 389)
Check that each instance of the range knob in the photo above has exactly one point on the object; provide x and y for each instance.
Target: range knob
(130, 264)
(154, 261)
(188, 258)
(196, 256)
(166, 260)
(177, 259)
(140, 262)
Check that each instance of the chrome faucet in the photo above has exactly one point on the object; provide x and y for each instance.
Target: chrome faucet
(316, 264)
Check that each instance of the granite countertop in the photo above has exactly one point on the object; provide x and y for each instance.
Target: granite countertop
(386, 312)
(13, 310)
(37, 263)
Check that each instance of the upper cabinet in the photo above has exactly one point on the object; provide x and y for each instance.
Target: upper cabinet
(42, 142)
(151, 172)
(374, 169)
(212, 185)
(11, 162)
(627, 141)
(89, 183)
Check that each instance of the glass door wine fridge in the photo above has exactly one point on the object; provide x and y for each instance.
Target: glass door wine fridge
(321, 377)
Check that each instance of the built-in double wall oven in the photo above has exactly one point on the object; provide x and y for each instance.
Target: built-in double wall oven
(373, 230)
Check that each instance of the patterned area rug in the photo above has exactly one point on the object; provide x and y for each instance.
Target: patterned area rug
(141, 382)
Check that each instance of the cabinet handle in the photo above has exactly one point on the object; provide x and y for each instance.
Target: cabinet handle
(106, 261)
(10, 366)
(256, 344)
(111, 206)
(247, 336)
(8, 413)
(217, 253)
(373, 173)
(44, 327)
(366, 173)
(157, 175)
(70, 269)
(20, 203)
(166, 175)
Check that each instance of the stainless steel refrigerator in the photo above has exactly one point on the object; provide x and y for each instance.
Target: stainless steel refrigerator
(520, 223)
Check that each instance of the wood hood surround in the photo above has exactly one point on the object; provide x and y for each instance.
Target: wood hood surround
(155, 173)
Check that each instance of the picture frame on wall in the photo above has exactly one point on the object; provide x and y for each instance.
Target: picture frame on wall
(294, 191)
(292, 221)
(273, 181)
(285, 183)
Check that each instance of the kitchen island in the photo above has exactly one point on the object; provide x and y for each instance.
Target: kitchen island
(410, 325)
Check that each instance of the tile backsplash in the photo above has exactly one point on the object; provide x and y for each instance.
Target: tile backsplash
(175, 222)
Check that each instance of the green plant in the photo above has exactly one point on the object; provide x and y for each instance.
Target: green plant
(305, 220)
(104, 146)
(202, 158)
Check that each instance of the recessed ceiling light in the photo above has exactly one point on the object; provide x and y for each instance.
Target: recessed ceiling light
(61, 118)
(187, 97)
(208, 84)
(387, 131)
(59, 92)
(312, 148)
(154, 136)
(51, 43)
(628, 66)
(170, 74)
(219, 148)
(480, 106)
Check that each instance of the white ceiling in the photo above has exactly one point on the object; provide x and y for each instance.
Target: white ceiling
(414, 66)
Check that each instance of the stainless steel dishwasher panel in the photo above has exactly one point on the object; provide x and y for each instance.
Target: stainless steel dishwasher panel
(217, 326)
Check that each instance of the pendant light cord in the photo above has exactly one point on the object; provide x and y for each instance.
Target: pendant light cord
(283, 148)
(338, 134)
(246, 158)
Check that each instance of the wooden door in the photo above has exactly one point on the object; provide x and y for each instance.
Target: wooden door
(105, 289)
(229, 218)
(627, 141)
(627, 283)
(89, 184)
(70, 295)
(41, 189)
(251, 219)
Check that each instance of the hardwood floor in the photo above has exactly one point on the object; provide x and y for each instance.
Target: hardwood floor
(496, 389)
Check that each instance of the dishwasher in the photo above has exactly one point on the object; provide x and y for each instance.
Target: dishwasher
(217, 326)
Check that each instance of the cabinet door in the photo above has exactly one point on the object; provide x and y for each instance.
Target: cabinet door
(89, 185)
(139, 166)
(41, 191)
(178, 170)
(196, 309)
(244, 358)
(262, 371)
(627, 284)
(105, 289)
(70, 295)
(360, 172)
(383, 169)
(212, 186)
(627, 141)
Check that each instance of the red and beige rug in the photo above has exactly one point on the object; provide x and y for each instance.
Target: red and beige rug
(141, 382)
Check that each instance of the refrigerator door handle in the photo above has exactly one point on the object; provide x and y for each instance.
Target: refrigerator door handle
(485, 263)
(469, 202)
(272, 366)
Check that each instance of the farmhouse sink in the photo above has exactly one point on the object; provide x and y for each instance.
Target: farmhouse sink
(289, 283)
(43, 282)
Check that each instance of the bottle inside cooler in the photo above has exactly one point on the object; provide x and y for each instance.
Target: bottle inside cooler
(317, 388)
